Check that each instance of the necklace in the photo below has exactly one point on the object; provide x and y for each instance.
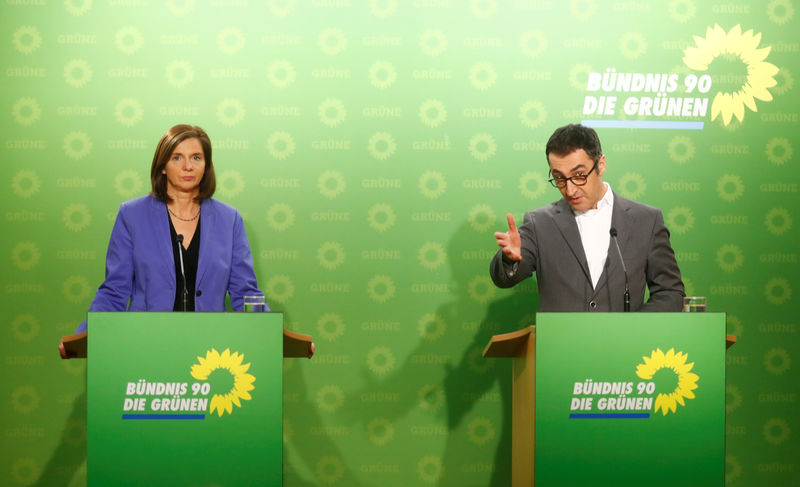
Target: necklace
(183, 219)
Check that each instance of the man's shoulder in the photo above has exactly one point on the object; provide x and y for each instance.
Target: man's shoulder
(548, 211)
(635, 206)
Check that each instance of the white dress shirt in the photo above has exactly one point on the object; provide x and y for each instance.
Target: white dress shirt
(594, 226)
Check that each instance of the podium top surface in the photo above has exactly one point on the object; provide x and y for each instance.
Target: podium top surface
(512, 344)
(509, 344)
(294, 344)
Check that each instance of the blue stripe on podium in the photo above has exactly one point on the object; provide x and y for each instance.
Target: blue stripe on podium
(609, 415)
(643, 124)
(163, 416)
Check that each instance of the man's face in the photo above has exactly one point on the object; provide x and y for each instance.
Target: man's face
(578, 162)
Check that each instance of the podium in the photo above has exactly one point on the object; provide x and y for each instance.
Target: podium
(186, 399)
(617, 399)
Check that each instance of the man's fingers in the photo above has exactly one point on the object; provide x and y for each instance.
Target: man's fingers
(512, 225)
(503, 240)
(512, 254)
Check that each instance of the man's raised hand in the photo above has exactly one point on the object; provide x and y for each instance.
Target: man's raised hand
(510, 241)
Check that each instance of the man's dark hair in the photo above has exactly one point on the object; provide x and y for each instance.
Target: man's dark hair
(572, 137)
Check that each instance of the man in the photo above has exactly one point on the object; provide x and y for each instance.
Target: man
(569, 244)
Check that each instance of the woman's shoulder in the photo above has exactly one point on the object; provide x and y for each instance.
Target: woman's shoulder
(221, 210)
(147, 199)
(140, 204)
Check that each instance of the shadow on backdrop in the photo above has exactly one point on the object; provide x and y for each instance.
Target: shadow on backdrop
(318, 454)
(69, 457)
(462, 329)
(472, 378)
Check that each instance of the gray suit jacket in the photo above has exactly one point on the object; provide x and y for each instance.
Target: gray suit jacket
(551, 247)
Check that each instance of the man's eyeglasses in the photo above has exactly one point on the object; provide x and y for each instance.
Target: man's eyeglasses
(577, 180)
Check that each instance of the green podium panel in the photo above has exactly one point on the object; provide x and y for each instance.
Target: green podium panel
(630, 399)
(185, 399)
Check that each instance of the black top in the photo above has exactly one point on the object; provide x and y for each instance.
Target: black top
(190, 257)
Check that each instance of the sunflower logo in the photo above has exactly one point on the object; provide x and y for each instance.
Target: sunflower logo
(280, 145)
(482, 75)
(380, 360)
(331, 184)
(430, 469)
(480, 290)
(579, 75)
(128, 40)
(332, 41)
(431, 326)
(381, 288)
(230, 40)
(431, 255)
(433, 42)
(482, 146)
(281, 9)
(432, 184)
(331, 255)
(481, 218)
(332, 112)
(676, 362)
(179, 73)
(381, 217)
(741, 46)
(532, 185)
(481, 430)
(26, 183)
(242, 382)
(680, 219)
(281, 74)
(381, 145)
(430, 397)
(380, 431)
(632, 185)
(533, 43)
(681, 149)
(27, 39)
(382, 74)
(331, 326)
(432, 113)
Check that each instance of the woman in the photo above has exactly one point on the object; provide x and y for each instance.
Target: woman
(175, 236)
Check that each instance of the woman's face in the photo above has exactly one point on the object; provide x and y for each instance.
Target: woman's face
(185, 168)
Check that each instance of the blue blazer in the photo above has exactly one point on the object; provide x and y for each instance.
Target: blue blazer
(140, 267)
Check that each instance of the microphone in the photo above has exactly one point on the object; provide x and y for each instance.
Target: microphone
(626, 303)
(183, 274)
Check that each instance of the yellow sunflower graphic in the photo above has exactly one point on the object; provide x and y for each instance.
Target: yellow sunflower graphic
(242, 381)
(676, 362)
(744, 46)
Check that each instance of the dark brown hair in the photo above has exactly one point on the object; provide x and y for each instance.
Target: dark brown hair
(572, 137)
(165, 148)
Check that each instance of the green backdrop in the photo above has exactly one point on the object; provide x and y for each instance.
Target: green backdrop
(373, 148)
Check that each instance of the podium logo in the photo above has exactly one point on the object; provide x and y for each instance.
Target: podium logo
(671, 368)
(225, 367)
(665, 381)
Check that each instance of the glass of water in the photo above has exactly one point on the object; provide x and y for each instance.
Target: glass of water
(694, 304)
(255, 304)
